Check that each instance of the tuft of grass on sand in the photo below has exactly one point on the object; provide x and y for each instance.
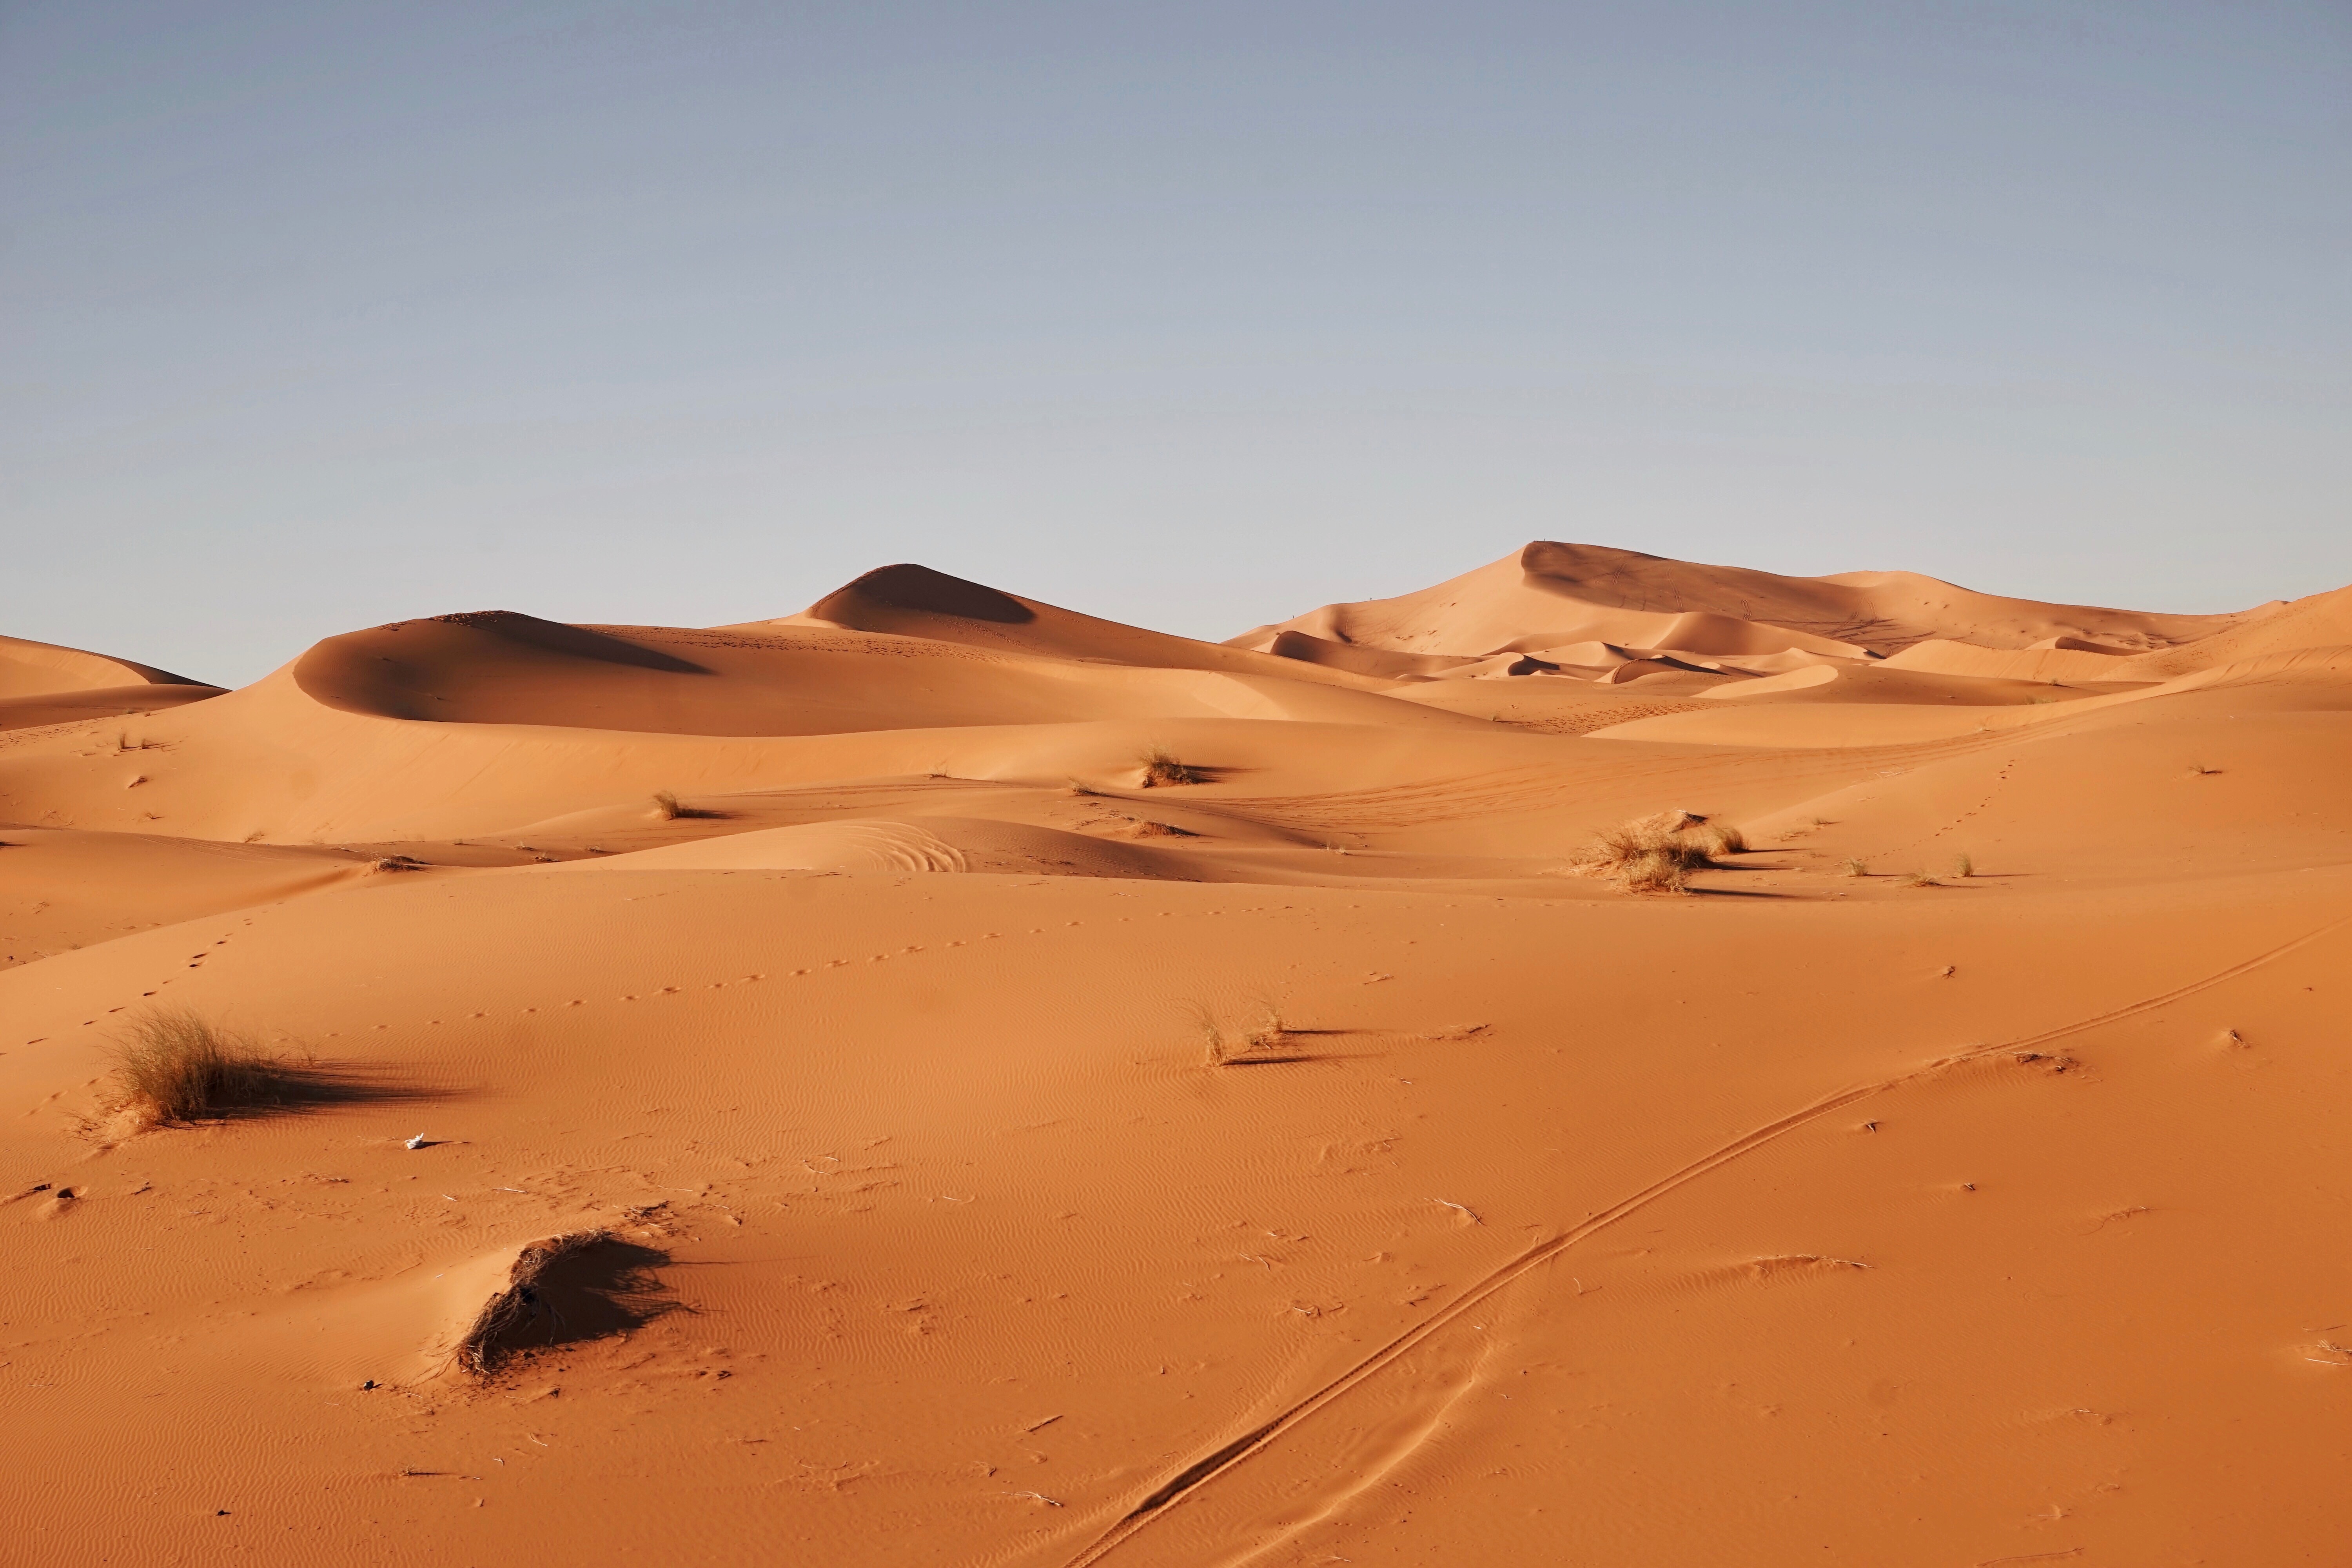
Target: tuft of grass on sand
(1272, 1029)
(177, 1067)
(1161, 769)
(1964, 865)
(1269, 1032)
(1221, 1046)
(1854, 868)
(1920, 880)
(667, 807)
(1657, 854)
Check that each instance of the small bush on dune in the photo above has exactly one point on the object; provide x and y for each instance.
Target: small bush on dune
(1162, 768)
(666, 805)
(178, 1066)
(1963, 865)
(1657, 854)
(1856, 868)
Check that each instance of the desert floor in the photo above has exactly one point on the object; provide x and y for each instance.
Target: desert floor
(988, 1152)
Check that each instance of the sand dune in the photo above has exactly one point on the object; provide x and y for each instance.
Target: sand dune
(1551, 593)
(41, 683)
(941, 1078)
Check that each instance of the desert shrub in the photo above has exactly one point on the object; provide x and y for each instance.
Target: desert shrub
(1964, 865)
(524, 1303)
(1920, 880)
(177, 1065)
(1162, 768)
(1657, 854)
(1855, 867)
(666, 805)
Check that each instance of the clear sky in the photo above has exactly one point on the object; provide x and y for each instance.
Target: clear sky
(1193, 314)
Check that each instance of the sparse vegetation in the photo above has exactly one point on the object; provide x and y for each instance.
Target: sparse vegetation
(1271, 1030)
(1222, 1048)
(1854, 868)
(177, 1067)
(1964, 865)
(1920, 880)
(1146, 829)
(1077, 788)
(521, 1303)
(1162, 768)
(395, 863)
(2202, 771)
(1657, 854)
(1225, 1048)
(666, 807)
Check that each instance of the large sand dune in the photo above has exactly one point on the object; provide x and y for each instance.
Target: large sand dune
(824, 1158)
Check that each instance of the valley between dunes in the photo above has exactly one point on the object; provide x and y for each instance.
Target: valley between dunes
(1004, 1150)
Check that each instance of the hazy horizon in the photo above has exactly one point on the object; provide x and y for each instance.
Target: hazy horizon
(323, 316)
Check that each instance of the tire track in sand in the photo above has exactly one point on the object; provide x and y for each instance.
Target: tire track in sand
(1193, 1477)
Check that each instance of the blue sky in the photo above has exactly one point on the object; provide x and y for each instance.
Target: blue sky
(317, 315)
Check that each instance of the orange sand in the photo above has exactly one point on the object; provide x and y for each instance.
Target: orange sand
(1811, 1217)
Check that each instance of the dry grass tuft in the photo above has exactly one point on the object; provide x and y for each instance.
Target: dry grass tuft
(666, 807)
(1269, 1032)
(1855, 867)
(396, 863)
(1148, 829)
(1077, 788)
(1160, 769)
(1657, 854)
(485, 1343)
(1222, 1047)
(1719, 837)
(177, 1067)
(1964, 865)
(1920, 880)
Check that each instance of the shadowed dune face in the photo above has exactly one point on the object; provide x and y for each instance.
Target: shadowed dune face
(775, 678)
(1586, 1059)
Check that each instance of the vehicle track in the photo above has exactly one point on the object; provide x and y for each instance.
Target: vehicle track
(1187, 1481)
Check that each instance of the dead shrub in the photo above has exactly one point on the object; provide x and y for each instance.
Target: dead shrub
(1854, 868)
(577, 1286)
(1161, 769)
(666, 805)
(1657, 854)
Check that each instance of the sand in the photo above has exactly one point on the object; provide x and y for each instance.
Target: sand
(1953, 1177)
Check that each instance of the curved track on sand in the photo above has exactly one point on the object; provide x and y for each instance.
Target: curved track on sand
(1187, 1481)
